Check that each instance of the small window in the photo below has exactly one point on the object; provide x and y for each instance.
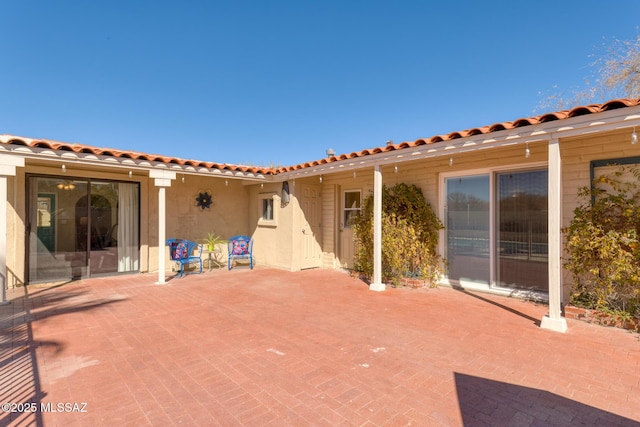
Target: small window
(351, 206)
(267, 209)
(268, 212)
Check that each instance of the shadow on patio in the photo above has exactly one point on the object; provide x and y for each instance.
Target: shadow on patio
(487, 402)
(497, 304)
(20, 381)
(316, 347)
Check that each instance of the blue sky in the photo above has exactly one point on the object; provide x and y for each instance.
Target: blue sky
(279, 82)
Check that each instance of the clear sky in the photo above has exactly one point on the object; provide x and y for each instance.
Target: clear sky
(278, 82)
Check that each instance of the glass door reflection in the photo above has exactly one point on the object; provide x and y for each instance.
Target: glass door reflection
(81, 228)
(522, 243)
(54, 250)
(467, 228)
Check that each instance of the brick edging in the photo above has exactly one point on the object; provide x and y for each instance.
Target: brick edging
(600, 318)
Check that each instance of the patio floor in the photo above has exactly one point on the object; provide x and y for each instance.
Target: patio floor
(273, 348)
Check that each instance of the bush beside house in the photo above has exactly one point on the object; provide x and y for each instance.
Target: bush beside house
(603, 247)
(409, 237)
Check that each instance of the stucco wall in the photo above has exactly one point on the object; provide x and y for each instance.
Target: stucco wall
(280, 244)
(227, 216)
(577, 154)
(423, 173)
(273, 242)
(236, 206)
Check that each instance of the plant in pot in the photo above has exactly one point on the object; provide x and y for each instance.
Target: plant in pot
(212, 240)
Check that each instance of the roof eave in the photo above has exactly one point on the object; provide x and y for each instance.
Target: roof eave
(83, 159)
(579, 125)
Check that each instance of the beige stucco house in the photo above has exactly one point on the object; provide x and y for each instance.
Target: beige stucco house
(503, 192)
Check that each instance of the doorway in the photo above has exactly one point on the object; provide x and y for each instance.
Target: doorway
(311, 205)
(468, 229)
(522, 251)
(496, 229)
(79, 228)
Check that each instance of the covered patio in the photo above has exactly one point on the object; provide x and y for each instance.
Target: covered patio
(270, 348)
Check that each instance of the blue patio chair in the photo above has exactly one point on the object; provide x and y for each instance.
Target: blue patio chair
(184, 253)
(240, 247)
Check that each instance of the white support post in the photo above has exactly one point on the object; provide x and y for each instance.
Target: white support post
(376, 284)
(554, 320)
(162, 180)
(162, 222)
(8, 166)
(3, 239)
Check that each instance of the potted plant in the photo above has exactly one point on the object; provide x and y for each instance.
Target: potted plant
(212, 240)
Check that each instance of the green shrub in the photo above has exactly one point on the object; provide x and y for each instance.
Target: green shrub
(409, 236)
(603, 246)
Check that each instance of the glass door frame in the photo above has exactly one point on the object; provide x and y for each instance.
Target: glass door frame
(31, 198)
(529, 266)
(445, 238)
(442, 197)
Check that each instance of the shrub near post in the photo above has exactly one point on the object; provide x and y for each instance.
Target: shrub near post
(409, 237)
(603, 246)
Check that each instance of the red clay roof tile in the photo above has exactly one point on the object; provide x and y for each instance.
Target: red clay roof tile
(523, 122)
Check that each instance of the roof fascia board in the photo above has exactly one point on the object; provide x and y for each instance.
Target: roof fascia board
(582, 125)
(87, 159)
(585, 124)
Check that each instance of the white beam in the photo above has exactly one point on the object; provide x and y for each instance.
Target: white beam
(554, 320)
(8, 166)
(376, 284)
(3, 240)
(11, 162)
(162, 174)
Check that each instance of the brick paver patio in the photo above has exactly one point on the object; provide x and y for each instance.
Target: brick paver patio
(273, 348)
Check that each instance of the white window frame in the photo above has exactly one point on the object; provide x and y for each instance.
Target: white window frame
(442, 197)
(275, 200)
(344, 207)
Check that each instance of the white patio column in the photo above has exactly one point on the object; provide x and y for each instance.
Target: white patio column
(162, 179)
(8, 166)
(376, 284)
(554, 319)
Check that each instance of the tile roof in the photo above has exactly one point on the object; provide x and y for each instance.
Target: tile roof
(544, 118)
(126, 154)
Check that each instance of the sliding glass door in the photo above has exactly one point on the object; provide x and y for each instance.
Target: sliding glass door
(496, 229)
(522, 255)
(81, 228)
(467, 228)
(58, 229)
